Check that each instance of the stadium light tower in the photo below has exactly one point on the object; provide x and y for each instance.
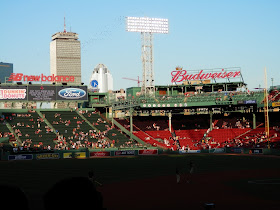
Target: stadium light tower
(147, 27)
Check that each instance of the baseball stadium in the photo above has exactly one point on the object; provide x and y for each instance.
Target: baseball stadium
(204, 142)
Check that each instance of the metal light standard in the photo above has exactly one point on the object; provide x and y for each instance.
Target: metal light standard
(147, 27)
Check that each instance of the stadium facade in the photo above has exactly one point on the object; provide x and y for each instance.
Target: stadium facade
(194, 114)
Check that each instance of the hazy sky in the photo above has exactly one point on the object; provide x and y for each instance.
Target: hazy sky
(202, 35)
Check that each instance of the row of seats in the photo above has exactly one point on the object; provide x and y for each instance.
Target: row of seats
(149, 137)
(190, 138)
(151, 140)
(221, 135)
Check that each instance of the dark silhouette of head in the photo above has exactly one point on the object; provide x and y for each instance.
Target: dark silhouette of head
(73, 193)
(13, 197)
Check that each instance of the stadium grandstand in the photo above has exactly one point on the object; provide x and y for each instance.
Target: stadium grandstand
(187, 117)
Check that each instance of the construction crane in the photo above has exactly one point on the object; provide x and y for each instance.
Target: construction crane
(138, 81)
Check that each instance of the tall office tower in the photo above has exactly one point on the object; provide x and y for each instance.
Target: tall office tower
(6, 69)
(65, 55)
(101, 79)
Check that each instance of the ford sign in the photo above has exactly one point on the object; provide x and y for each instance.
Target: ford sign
(72, 93)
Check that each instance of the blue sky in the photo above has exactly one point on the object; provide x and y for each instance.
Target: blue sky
(202, 35)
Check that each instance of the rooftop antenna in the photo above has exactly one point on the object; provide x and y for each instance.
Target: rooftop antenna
(64, 25)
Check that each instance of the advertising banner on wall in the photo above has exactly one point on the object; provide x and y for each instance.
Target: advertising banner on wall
(275, 104)
(13, 93)
(76, 93)
(250, 102)
(148, 152)
(46, 156)
(21, 157)
(236, 150)
(100, 154)
(67, 155)
(125, 152)
(41, 93)
(80, 155)
(256, 151)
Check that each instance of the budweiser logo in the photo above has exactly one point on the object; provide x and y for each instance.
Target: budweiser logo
(181, 75)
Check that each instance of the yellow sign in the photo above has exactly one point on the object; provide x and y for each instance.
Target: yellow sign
(67, 155)
(276, 104)
(80, 155)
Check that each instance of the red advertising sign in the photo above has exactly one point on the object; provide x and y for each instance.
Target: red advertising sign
(40, 78)
(148, 152)
(100, 154)
(183, 75)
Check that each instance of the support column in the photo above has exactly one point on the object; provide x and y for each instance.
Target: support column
(169, 121)
(131, 122)
(112, 117)
(254, 121)
(211, 120)
(148, 87)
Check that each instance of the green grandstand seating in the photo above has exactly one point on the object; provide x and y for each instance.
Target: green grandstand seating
(66, 129)
(20, 122)
(102, 125)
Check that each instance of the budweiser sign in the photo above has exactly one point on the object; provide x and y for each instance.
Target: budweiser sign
(182, 75)
(40, 78)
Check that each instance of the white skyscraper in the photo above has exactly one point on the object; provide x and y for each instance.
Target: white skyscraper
(101, 79)
(65, 55)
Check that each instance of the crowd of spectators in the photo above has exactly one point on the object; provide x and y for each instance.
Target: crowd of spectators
(76, 137)
(273, 96)
(91, 139)
(216, 96)
(38, 126)
(5, 133)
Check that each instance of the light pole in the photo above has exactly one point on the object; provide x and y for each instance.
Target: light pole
(147, 27)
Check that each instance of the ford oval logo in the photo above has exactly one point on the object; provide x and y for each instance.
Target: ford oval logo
(72, 93)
